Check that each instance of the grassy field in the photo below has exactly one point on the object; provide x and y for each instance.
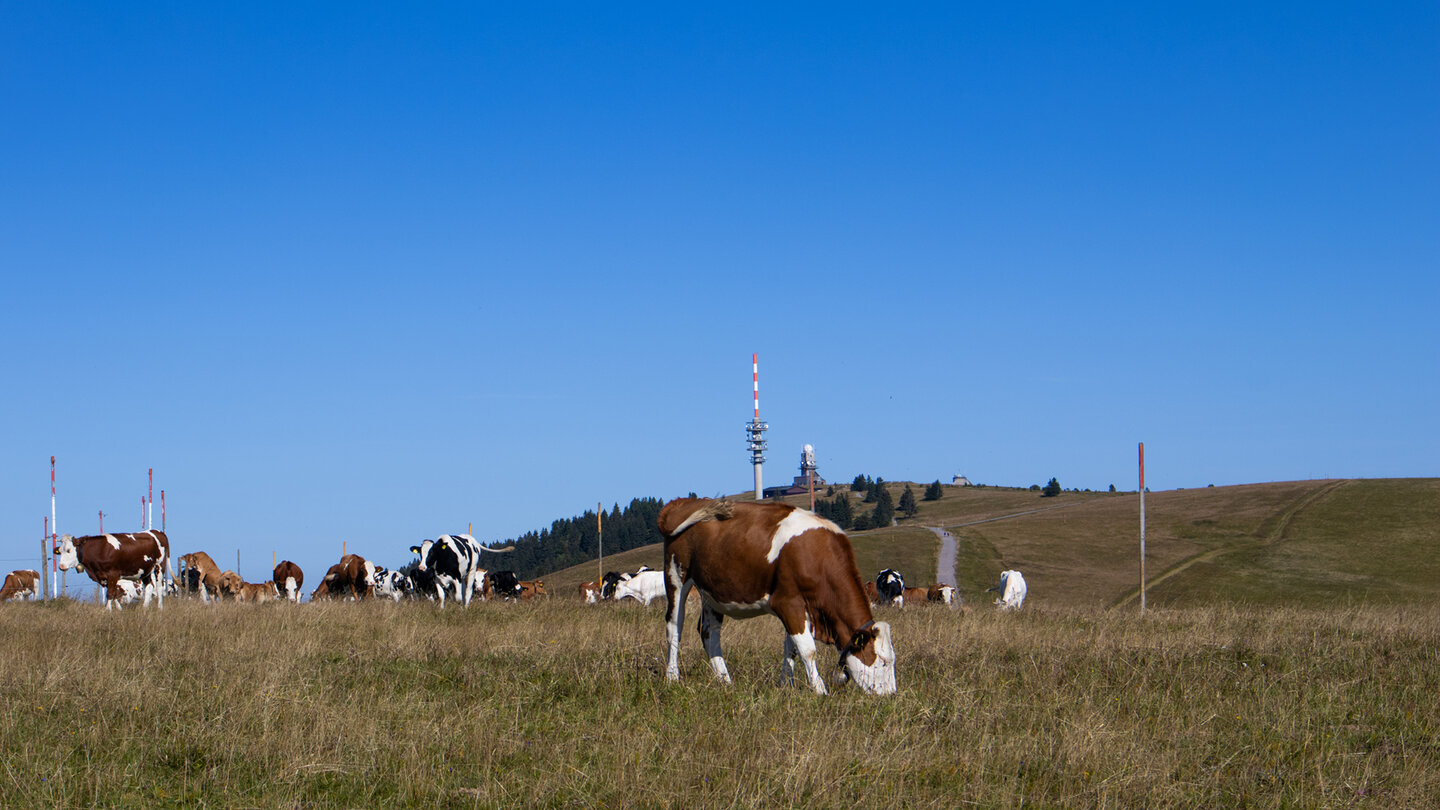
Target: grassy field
(562, 704)
(1290, 658)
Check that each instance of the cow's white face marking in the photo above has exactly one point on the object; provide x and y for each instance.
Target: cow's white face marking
(113, 541)
(796, 523)
(424, 552)
(877, 678)
(66, 558)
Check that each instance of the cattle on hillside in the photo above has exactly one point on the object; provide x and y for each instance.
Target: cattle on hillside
(138, 557)
(453, 560)
(228, 585)
(20, 584)
(891, 587)
(288, 579)
(393, 584)
(504, 584)
(1012, 590)
(531, 588)
(748, 559)
(612, 579)
(257, 592)
(330, 585)
(642, 587)
(590, 592)
(914, 596)
(944, 594)
(199, 574)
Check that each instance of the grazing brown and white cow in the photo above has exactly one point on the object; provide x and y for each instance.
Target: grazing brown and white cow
(288, 579)
(257, 592)
(944, 594)
(139, 557)
(20, 584)
(531, 588)
(748, 559)
(914, 596)
(207, 574)
(590, 592)
(328, 588)
(353, 577)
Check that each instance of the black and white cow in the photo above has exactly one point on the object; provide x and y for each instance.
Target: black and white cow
(612, 579)
(453, 559)
(505, 584)
(891, 587)
(393, 584)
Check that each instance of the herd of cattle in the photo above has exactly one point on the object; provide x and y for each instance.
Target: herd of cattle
(745, 559)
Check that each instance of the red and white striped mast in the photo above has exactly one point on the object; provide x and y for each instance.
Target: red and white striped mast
(150, 502)
(756, 430)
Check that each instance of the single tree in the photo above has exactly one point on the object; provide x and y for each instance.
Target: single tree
(884, 513)
(934, 492)
(1051, 489)
(907, 502)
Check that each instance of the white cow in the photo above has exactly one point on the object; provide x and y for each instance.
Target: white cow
(1012, 590)
(642, 587)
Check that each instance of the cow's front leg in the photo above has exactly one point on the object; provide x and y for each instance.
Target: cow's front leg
(710, 636)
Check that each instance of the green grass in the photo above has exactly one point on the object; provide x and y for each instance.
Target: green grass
(561, 704)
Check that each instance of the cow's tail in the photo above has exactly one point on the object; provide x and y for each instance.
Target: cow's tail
(682, 513)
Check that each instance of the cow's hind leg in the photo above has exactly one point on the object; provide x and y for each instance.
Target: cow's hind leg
(675, 594)
(710, 620)
(787, 660)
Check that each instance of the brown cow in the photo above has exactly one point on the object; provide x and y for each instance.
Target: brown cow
(257, 592)
(288, 580)
(871, 592)
(353, 575)
(532, 588)
(590, 592)
(326, 588)
(944, 594)
(20, 584)
(913, 595)
(228, 585)
(749, 559)
(206, 572)
(108, 558)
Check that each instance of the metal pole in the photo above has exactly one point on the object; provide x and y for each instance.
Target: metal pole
(599, 545)
(44, 541)
(150, 499)
(54, 528)
(1142, 528)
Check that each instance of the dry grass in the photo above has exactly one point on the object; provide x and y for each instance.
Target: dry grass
(364, 705)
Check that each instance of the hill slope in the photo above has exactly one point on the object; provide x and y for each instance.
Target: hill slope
(1293, 543)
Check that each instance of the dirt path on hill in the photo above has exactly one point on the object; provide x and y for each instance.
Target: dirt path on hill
(945, 569)
(1276, 535)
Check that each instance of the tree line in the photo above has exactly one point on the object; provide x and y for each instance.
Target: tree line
(576, 540)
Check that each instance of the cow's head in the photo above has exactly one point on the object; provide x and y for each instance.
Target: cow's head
(230, 584)
(869, 659)
(423, 552)
(65, 554)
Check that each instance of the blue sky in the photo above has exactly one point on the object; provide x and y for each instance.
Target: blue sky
(368, 273)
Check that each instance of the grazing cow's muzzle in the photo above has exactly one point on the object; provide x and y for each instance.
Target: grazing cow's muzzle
(870, 643)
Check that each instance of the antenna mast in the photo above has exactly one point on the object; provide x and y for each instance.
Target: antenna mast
(756, 430)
